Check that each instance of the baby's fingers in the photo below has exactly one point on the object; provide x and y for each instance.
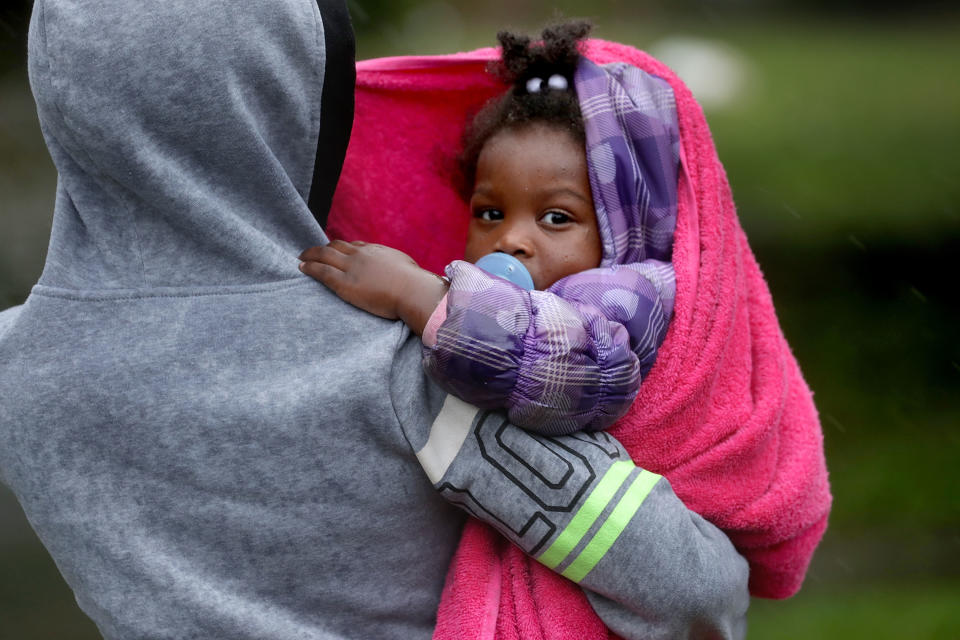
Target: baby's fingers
(345, 247)
(329, 254)
(346, 286)
(328, 275)
(311, 253)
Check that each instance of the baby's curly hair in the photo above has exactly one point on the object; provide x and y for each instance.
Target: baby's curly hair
(521, 60)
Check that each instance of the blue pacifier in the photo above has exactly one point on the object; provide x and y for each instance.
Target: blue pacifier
(505, 266)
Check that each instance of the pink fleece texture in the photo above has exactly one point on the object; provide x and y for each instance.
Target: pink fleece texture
(724, 414)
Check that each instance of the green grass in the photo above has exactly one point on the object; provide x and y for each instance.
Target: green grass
(919, 611)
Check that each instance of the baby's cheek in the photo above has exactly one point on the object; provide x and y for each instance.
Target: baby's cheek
(474, 249)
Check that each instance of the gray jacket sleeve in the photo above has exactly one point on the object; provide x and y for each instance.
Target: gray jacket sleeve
(651, 568)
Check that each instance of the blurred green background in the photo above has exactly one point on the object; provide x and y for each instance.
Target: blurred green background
(839, 125)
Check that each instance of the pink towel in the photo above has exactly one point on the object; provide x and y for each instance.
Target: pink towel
(724, 414)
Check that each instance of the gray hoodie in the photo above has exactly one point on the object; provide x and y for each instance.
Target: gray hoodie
(210, 444)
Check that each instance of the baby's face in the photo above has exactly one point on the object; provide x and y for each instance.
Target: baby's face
(532, 200)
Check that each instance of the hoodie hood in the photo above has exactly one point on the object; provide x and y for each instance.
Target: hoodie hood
(186, 159)
(207, 441)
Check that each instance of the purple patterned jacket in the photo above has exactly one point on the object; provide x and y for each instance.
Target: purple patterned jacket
(572, 357)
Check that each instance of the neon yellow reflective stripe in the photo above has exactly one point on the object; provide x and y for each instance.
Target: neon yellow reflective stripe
(613, 527)
(587, 514)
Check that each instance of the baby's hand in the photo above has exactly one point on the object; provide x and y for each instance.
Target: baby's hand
(377, 279)
(370, 276)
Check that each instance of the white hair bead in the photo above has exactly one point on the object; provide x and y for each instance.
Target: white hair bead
(557, 82)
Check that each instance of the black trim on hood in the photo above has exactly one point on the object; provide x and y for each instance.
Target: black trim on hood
(336, 105)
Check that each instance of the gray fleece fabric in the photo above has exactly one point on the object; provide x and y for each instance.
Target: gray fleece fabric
(204, 438)
(212, 445)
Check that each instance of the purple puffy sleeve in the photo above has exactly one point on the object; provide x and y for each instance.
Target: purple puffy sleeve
(567, 359)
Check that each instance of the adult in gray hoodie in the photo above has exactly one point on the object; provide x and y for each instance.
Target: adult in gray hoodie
(209, 443)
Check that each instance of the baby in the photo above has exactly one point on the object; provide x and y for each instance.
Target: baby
(728, 421)
(595, 236)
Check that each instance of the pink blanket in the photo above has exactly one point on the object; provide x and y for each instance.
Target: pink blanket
(725, 413)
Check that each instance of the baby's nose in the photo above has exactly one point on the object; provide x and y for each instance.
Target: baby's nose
(515, 240)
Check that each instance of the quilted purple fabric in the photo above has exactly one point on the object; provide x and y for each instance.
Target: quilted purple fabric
(572, 357)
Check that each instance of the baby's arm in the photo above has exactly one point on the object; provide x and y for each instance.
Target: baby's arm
(563, 360)
(378, 279)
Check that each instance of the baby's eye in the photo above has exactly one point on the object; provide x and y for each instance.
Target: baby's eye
(556, 218)
(490, 215)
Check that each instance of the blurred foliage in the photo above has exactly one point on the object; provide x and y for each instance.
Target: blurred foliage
(875, 332)
(857, 127)
(14, 18)
(35, 603)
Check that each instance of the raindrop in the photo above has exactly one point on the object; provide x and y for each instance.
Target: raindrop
(855, 241)
(357, 13)
(791, 211)
(843, 565)
(836, 423)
